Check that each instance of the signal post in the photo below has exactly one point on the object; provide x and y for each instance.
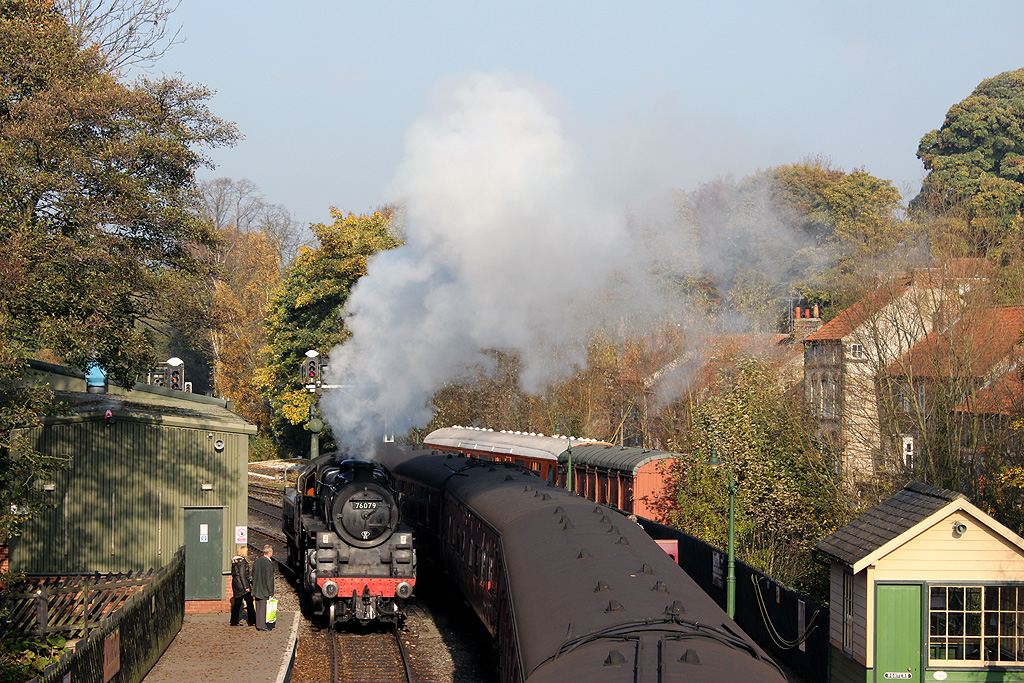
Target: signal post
(312, 372)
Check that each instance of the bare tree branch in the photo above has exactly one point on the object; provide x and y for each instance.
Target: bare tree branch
(126, 32)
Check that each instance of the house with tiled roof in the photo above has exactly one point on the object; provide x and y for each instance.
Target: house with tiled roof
(964, 375)
(843, 359)
(925, 586)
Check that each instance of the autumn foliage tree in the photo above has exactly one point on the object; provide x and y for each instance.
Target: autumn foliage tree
(306, 310)
(241, 295)
(787, 496)
(97, 235)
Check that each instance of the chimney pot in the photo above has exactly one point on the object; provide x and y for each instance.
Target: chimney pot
(796, 312)
(816, 311)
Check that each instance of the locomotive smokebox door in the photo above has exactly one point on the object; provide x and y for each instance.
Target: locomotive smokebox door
(366, 516)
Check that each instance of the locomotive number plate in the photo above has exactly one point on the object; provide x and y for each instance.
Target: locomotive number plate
(364, 505)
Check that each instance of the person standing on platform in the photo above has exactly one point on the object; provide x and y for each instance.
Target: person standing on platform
(241, 587)
(263, 585)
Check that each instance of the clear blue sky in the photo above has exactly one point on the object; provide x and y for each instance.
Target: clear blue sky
(325, 91)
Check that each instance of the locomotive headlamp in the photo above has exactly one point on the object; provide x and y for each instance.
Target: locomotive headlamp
(403, 589)
(330, 589)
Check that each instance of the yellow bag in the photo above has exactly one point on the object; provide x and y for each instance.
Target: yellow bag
(271, 610)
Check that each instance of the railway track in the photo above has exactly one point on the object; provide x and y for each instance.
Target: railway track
(264, 492)
(372, 657)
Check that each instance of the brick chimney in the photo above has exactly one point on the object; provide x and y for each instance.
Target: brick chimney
(804, 323)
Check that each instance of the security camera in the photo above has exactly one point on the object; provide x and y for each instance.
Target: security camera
(959, 528)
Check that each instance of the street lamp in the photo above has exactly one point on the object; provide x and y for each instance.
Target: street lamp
(568, 469)
(730, 579)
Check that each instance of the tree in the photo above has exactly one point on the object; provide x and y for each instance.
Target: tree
(305, 311)
(241, 295)
(98, 242)
(240, 204)
(787, 498)
(975, 164)
(98, 176)
(125, 32)
(803, 228)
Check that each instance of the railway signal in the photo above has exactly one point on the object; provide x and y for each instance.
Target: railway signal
(311, 371)
(176, 374)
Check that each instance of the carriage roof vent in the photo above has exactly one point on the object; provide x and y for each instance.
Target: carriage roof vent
(675, 609)
(690, 657)
(614, 658)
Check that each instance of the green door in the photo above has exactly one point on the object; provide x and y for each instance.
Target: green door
(204, 552)
(897, 632)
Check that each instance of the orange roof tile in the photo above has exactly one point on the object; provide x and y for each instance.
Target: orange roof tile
(1002, 396)
(851, 318)
(971, 346)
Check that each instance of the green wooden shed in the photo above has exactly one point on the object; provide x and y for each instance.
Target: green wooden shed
(151, 469)
(926, 586)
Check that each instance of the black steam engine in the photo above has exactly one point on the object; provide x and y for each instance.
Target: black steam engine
(347, 542)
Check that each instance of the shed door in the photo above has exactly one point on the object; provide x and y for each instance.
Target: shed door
(897, 632)
(204, 532)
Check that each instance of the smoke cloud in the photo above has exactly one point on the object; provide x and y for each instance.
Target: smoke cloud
(508, 245)
(515, 239)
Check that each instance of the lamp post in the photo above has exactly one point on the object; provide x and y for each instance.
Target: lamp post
(730, 579)
(568, 468)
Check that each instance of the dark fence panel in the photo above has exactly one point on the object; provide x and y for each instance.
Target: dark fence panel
(789, 626)
(127, 644)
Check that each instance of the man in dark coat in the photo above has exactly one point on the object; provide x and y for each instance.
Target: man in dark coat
(241, 587)
(263, 585)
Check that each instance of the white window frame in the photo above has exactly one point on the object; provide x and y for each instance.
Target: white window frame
(857, 351)
(907, 451)
(848, 610)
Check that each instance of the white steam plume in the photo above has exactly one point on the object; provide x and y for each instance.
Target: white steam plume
(507, 246)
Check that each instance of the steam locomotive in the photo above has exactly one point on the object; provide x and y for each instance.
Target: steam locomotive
(347, 542)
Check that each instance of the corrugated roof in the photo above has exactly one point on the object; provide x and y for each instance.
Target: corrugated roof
(886, 521)
(618, 458)
(144, 406)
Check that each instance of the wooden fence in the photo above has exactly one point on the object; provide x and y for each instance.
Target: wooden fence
(70, 605)
(135, 629)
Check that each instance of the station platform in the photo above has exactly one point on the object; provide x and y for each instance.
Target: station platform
(209, 649)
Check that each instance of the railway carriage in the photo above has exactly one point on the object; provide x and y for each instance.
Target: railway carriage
(623, 477)
(347, 543)
(570, 590)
